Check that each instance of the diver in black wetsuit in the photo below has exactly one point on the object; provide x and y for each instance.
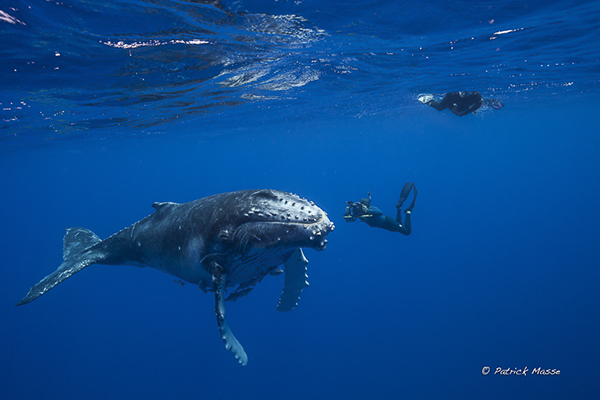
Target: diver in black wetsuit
(461, 103)
(374, 217)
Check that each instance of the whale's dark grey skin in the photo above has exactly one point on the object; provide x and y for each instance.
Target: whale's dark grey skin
(229, 240)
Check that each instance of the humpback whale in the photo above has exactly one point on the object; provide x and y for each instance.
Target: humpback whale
(228, 241)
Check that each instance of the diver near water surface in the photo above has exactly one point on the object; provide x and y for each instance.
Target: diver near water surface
(374, 217)
(460, 103)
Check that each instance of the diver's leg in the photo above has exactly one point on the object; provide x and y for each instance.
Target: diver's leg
(468, 108)
(412, 205)
(402, 228)
(389, 224)
(405, 229)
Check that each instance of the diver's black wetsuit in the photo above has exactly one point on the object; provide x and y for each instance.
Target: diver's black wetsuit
(460, 103)
(374, 217)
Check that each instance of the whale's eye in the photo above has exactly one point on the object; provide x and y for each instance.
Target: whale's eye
(225, 236)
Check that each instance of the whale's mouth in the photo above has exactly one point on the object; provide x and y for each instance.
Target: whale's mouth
(269, 234)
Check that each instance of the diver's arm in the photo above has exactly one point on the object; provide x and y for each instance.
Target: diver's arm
(447, 102)
(374, 211)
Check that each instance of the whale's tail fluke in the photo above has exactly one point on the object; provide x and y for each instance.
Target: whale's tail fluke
(76, 245)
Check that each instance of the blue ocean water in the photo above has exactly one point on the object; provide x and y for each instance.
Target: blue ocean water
(108, 107)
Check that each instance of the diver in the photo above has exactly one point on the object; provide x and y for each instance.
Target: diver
(374, 217)
(460, 103)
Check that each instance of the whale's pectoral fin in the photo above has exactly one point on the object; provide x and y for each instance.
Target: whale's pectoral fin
(76, 258)
(295, 280)
(231, 343)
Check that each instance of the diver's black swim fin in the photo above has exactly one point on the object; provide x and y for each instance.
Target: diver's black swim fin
(406, 189)
(404, 194)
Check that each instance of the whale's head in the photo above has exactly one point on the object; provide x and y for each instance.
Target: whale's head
(267, 219)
